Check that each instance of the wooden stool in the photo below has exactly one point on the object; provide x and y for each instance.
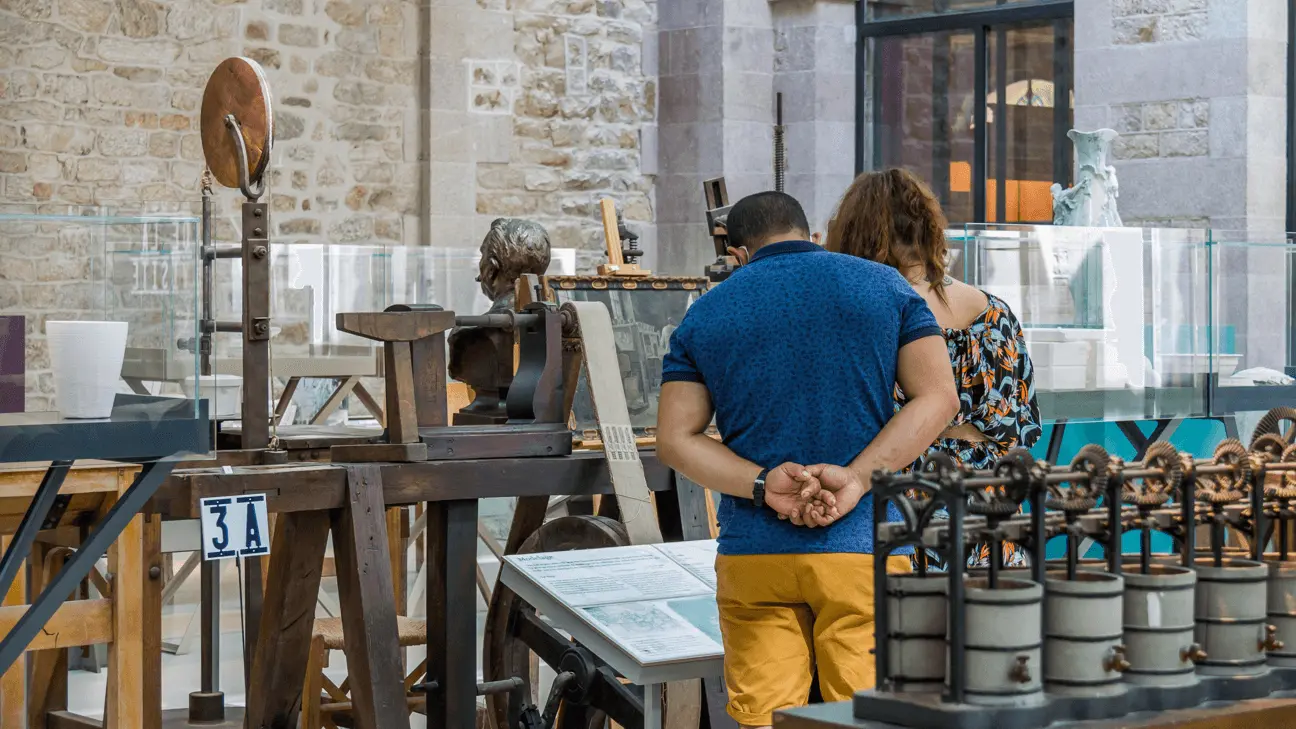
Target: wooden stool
(321, 697)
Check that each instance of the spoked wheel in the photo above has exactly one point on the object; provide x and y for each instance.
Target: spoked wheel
(504, 653)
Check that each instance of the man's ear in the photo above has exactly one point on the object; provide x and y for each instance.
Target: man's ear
(817, 238)
(740, 252)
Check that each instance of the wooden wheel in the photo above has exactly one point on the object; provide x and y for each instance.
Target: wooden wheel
(503, 654)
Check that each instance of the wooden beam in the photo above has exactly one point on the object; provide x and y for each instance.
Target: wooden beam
(76, 623)
(334, 402)
(125, 706)
(306, 487)
(366, 592)
(152, 622)
(13, 684)
(287, 619)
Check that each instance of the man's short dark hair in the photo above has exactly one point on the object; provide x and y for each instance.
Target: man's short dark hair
(757, 217)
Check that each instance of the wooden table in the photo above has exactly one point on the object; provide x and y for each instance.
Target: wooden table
(314, 499)
(121, 618)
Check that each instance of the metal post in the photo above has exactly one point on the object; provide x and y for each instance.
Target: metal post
(256, 326)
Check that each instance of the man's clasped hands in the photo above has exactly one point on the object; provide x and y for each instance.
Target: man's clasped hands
(813, 496)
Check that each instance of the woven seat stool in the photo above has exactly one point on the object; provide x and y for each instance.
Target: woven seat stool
(321, 698)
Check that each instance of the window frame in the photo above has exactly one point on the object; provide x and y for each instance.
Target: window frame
(981, 22)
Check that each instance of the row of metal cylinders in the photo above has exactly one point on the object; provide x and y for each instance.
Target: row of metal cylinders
(1095, 635)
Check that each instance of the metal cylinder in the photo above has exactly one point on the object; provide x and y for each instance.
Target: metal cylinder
(1159, 626)
(1282, 610)
(1083, 650)
(917, 613)
(1231, 616)
(1003, 642)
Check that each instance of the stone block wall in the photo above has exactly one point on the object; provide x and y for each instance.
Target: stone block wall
(1208, 106)
(1205, 135)
(539, 109)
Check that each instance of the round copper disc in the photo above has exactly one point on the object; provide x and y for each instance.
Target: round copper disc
(237, 86)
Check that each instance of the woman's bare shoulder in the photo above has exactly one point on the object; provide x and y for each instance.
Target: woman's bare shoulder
(966, 303)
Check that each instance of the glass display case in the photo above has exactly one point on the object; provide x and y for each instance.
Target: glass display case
(312, 283)
(1251, 343)
(1116, 320)
(84, 293)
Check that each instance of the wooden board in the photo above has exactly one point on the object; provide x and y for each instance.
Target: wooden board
(621, 455)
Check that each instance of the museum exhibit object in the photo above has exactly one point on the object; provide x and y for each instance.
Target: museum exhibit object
(1091, 202)
(1073, 639)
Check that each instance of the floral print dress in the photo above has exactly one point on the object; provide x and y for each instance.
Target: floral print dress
(995, 381)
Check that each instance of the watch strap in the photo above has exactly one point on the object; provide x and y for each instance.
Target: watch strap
(758, 489)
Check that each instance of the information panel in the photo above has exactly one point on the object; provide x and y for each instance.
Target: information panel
(655, 603)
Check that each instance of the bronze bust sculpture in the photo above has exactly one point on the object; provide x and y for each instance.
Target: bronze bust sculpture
(483, 358)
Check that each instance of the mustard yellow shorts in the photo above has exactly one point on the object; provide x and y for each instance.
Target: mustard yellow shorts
(785, 615)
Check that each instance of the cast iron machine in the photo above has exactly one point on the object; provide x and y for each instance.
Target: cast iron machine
(1078, 639)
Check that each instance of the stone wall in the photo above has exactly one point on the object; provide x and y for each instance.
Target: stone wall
(1205, 127)
(397, 122)
(539, 109)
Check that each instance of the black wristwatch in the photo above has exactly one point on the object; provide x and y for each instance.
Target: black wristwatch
(758, 489)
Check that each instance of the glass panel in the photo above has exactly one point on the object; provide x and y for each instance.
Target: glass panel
(642, 322)
(921, 106)
(1020, 124)
(1079, 292)
(127, 268)
(312, 283)
(1251, 308)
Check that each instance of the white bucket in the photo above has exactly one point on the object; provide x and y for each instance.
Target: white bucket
(224, 392)
(86, 357)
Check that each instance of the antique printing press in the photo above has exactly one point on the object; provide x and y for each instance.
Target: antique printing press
(526, 422)
(588, 689)
(1076, 640)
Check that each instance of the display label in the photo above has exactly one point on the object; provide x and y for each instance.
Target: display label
(619, 443)
(657, 602)
(234, 526)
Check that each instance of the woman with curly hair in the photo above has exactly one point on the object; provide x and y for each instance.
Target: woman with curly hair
(891, 217)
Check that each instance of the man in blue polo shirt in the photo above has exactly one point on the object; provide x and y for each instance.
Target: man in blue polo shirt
(796, 355)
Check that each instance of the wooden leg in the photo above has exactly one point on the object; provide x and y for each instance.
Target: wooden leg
(314, 684)
(396, 551)
(368, 610)
(371, 404)
(452, 558)
(335, 400)
(126, 652)
(285, 399)
(152, 622)
(13, 685)
(47, 673)
(287, 619)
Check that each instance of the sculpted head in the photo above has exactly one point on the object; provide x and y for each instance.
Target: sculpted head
(511, 248)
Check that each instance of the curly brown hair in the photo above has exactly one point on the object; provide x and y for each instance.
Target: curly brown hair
(892, 217)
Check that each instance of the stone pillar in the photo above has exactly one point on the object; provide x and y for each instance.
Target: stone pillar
(1197, 88)
(1203, 120)
(721, 62)
(814, 69)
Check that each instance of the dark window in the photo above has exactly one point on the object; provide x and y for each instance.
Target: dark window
(974, 96)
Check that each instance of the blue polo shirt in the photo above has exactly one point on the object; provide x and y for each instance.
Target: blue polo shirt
(798, 351)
